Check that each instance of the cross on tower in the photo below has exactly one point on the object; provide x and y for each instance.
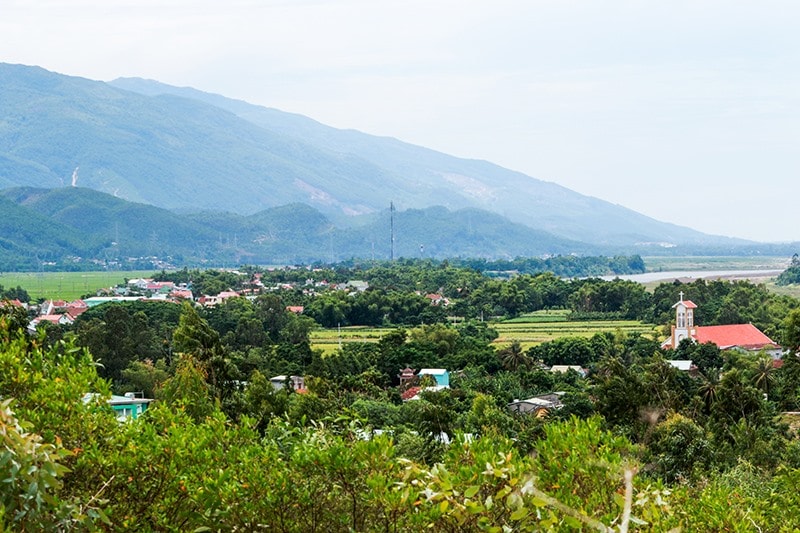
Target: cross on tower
(681, 293)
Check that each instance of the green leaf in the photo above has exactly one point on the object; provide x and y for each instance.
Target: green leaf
(538, 502)
(519, 514)
(471, 491)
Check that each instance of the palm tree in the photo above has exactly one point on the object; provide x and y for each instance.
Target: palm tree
(710, 387)
(514, 357)
(763, 375)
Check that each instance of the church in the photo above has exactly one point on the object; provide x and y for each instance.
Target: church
(743, 337)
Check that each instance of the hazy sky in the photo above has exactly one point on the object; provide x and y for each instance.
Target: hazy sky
(687, 111)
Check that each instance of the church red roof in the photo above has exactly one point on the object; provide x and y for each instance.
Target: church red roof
(745, 336)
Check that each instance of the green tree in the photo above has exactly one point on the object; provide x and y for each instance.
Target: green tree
(514, 357)
(188, 389)
(678, 447)
(145, 377)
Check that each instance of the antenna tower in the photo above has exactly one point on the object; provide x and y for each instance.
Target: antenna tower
(391, 224)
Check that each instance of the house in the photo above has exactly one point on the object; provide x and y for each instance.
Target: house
(296, 309)
(437, 299)
(538, 406)
(159, 286)
(742, 337)
(181, 294)
(211, 301)
(75, 309)
(127, 407)
(411, 393)
(357, 285)
(441, 376)
(99, 300)
(563, 369)
(62, 319)
(52, 307)
(139, 283)
(684, 365)
(298, 382)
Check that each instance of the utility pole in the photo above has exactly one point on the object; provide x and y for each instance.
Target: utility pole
(391, 223)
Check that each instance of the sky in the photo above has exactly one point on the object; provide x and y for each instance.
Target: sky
(685, 111)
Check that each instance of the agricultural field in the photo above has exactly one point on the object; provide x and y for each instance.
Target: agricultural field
(529, 330)
(329, 340)
(543, 326)
(67, 285)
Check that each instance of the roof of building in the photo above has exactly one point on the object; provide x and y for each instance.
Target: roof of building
(681, 364)
(55, 319)
(410, 393)
(566, 368)
(75, 312)
(745, 336)
(543, 401)
(688, 304)
(127, 400)
(432, 372)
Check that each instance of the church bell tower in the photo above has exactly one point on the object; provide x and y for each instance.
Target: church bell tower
(684, 321)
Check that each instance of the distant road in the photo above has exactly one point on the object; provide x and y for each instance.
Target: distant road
(691, 275)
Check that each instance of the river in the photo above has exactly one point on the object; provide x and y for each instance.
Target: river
(690, 275)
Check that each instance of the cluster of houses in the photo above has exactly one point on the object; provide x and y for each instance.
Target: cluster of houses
(65, 313)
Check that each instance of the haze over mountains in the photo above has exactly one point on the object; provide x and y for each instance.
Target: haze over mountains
(225, 168)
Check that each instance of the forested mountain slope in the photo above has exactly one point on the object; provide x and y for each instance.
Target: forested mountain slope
(52, 224)
(179, 148)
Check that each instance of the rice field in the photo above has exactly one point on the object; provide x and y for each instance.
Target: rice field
(529, 330)
(329, 340)
(67, 285)
(544, 326)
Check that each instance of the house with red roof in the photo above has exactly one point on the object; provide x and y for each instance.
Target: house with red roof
(182, 294)
(743, 337)
(437, 299)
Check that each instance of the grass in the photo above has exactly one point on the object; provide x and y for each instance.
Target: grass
(67, 285)
(787, 290)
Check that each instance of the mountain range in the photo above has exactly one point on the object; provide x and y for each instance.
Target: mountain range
(79, 223)
(220, 174)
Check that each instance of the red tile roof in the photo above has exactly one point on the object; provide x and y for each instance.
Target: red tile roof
(687, 303)
(75, 312)
(410, 393)
(745, 336)
(48, 318)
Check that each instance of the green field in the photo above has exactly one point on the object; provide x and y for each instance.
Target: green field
(543, 326)
(328, 340)
(529, 330)
(67, 285)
